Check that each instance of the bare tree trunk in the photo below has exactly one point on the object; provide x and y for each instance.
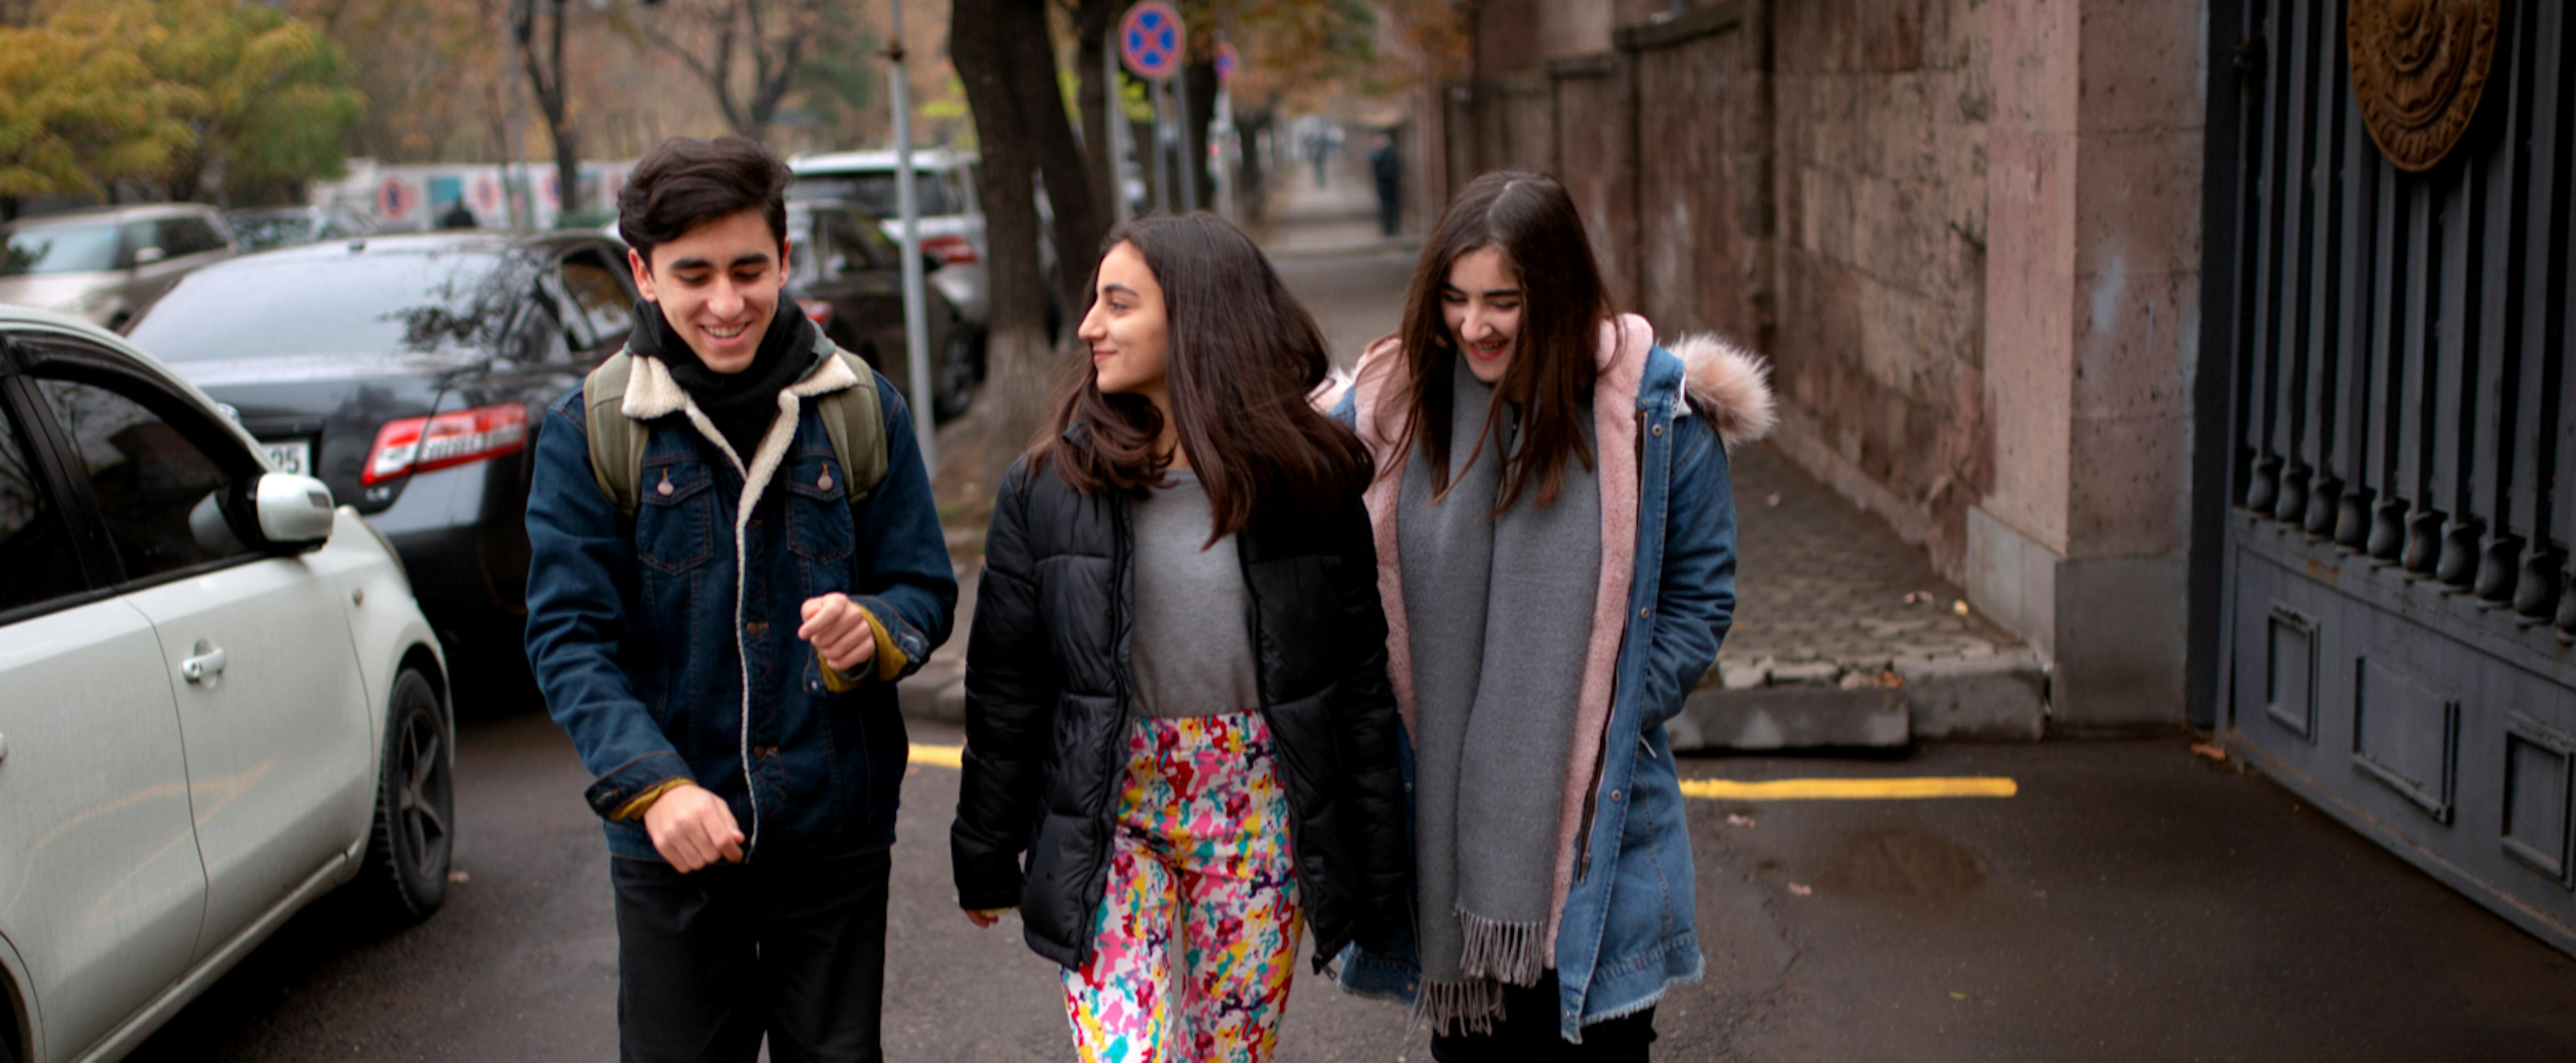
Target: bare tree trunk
(1060, 160)
(1099, 99)
(547, 79)
(1012, 407)
(1201, 73)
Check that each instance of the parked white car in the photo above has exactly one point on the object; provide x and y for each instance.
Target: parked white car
(218, 700)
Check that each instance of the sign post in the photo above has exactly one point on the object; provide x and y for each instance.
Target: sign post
(1152, 43)
(916, 319)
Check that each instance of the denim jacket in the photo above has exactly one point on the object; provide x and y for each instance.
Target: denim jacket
(665, 643)
(1625, 930)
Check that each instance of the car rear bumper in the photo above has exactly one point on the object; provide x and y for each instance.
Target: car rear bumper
(464, 543)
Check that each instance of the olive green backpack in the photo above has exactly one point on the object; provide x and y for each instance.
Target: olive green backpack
(617, 441)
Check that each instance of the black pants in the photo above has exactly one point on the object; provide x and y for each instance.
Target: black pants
(1528, 1033)
(709, 962)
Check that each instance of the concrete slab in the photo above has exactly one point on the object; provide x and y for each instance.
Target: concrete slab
(1791, 717)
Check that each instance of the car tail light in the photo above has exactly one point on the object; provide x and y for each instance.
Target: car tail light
(420, 444)
(817, 311)
(953, 250)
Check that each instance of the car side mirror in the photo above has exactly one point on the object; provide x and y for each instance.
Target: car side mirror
(149, 255)
(293, 512)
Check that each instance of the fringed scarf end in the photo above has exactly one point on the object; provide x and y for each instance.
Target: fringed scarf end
(1459, 1008)
(1506, 952)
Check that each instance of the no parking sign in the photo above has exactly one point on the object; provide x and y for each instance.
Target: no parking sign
(1150, 40)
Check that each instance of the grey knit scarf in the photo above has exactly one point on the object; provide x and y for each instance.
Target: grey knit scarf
(1500, 612)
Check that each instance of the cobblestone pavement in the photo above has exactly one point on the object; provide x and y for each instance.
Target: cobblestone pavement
(1826, 591)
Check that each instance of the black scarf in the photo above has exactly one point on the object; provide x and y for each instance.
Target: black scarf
(741, 404)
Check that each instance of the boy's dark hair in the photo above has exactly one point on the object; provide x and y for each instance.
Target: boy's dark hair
(688, 182)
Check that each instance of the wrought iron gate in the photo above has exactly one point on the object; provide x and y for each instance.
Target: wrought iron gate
(2399, 616)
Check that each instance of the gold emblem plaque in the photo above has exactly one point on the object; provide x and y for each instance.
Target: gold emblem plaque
(2419, 68)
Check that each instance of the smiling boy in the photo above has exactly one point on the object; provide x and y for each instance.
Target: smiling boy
(735, 555)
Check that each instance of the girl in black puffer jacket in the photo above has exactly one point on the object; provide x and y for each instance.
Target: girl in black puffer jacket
(1177, 707)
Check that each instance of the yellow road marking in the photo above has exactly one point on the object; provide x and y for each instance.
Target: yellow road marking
(1729, 789)
(1848, 789)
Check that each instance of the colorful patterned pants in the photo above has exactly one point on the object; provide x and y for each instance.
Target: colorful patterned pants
(1195, 942)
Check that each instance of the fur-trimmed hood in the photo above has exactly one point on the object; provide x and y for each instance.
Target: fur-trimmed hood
(1727, 384)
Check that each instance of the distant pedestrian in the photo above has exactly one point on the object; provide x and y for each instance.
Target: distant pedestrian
(1388, 168)
(1177, 708)
(735, 556)
(1536, 451)
(457, 216)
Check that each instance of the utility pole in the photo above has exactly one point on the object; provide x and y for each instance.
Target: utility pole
(916, 328)
(1180, 81)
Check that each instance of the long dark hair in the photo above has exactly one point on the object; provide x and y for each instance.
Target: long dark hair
(1563, 303)
(1243, 358)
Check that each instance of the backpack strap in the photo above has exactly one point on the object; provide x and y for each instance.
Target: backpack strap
(616, 440)
(850, 417)
(857, 428)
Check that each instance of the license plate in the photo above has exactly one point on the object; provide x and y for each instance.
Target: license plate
(290, 455)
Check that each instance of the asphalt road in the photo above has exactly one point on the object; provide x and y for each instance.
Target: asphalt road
(2132, 902)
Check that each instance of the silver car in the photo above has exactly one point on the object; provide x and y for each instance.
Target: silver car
(107, 265)
(218, 700)
(952, 218)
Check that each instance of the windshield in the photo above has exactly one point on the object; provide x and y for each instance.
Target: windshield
(256, 231)
(59, 249)
(874, 192)
(378, 303)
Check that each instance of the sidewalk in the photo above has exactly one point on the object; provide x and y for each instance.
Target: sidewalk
(1843, 637)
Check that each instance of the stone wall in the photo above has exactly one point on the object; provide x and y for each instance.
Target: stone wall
(1881, 138)
(1806, 177)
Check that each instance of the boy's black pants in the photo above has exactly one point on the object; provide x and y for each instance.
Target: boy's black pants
(711, 961)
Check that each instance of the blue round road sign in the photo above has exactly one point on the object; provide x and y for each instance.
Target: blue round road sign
(1226, 63)
(1150, 40)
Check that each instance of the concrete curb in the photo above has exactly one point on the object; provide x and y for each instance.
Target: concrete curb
(1998, 698)
(1987, 699)
(936, 693)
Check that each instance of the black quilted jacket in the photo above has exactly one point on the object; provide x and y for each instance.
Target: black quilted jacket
(1048, 704)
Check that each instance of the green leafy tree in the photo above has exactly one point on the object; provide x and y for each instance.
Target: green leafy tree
(265, 96)
(79, 109)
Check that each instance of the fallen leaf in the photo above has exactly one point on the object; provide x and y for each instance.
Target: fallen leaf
(2039, 895)
(1734, 820)
(1916, 598)
(1960, 607)
(1803, 891)
(1773, 500)
(457, 876)
(1956, 995)
(1889, 678)
(2208, 751)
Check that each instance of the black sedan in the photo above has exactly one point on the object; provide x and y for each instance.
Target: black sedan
(409, 373)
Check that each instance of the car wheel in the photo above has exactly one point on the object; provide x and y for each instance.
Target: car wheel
(954, 387)
(414, 837)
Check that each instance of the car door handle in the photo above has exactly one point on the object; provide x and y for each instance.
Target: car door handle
(208, 663)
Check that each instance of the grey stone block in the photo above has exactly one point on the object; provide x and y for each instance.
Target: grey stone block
(1986, 698)
(1791, 718)
(1806, 672)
